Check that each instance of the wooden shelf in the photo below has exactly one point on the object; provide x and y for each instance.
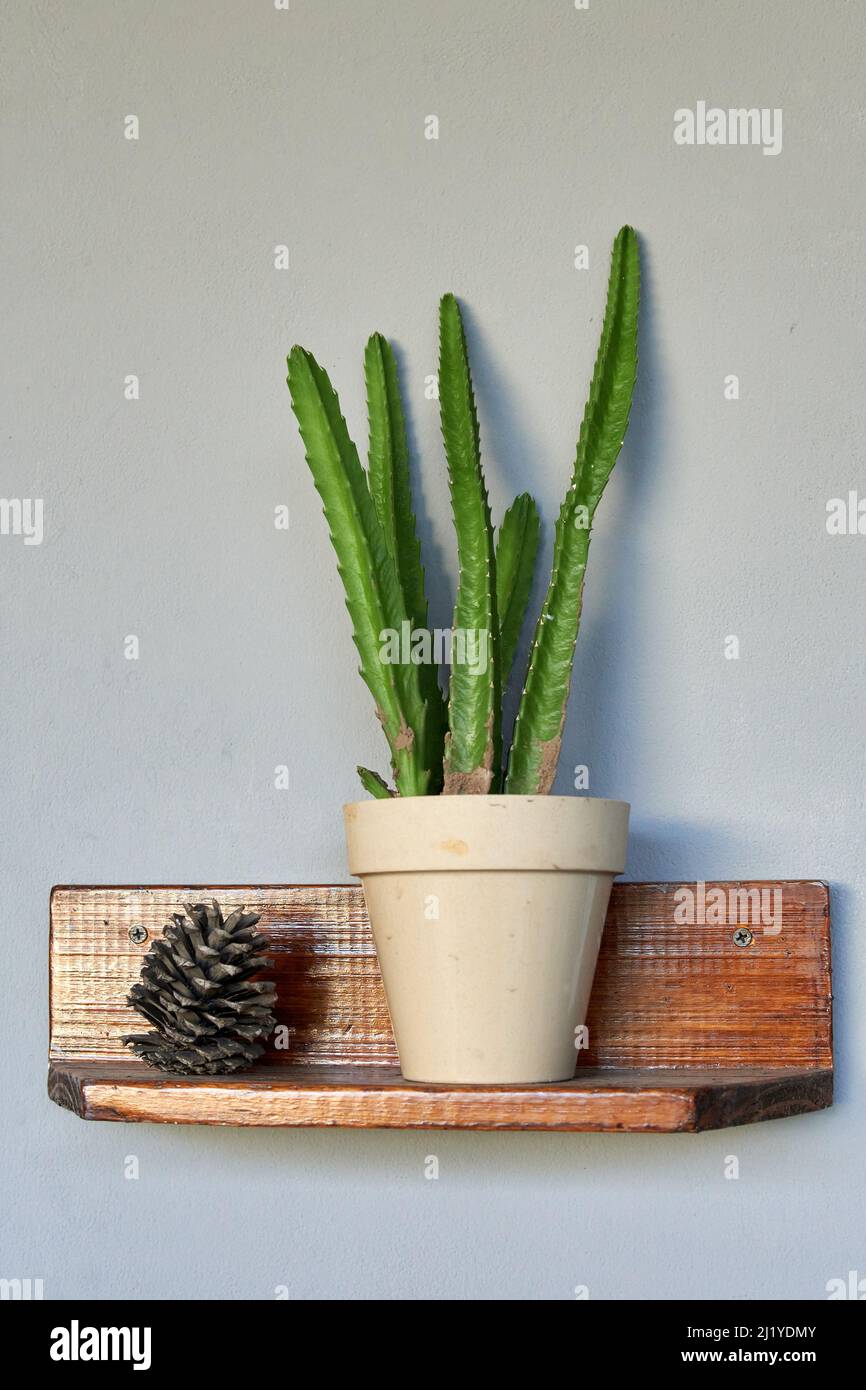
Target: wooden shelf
(688, 1030)
(664, 1101)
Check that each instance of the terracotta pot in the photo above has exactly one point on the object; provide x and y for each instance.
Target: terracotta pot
(487, 913)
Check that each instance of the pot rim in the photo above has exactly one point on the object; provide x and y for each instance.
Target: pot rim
(447, 833)
(484, 797)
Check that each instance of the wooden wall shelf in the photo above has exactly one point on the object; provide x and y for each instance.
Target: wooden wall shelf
(688, 1030)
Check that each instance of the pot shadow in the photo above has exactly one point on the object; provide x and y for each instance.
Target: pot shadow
(678, 851)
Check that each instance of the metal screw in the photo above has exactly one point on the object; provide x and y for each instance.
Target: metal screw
(743, 937)
(138, 934)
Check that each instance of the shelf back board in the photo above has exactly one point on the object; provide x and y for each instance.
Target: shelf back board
(665, 993)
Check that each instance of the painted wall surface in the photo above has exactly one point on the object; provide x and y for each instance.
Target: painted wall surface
(259, 127)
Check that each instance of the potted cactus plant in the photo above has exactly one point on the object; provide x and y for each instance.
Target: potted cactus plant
(487, 896)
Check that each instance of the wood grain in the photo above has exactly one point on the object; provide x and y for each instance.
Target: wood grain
(599, 1099)
(664, 994)
(687, 1030)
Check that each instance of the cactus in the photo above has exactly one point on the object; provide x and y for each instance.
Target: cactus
(457, 750)
(473, 743)
(516, 547)
(541, 716)
(390, 488)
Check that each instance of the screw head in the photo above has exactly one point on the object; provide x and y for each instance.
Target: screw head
(138, 934)
(743, 937)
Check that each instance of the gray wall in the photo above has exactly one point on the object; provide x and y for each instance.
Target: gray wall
(155, 257)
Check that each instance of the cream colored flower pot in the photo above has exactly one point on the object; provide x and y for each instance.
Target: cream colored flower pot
(487, 912)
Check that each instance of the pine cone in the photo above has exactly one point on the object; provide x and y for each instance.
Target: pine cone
(195, 989)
